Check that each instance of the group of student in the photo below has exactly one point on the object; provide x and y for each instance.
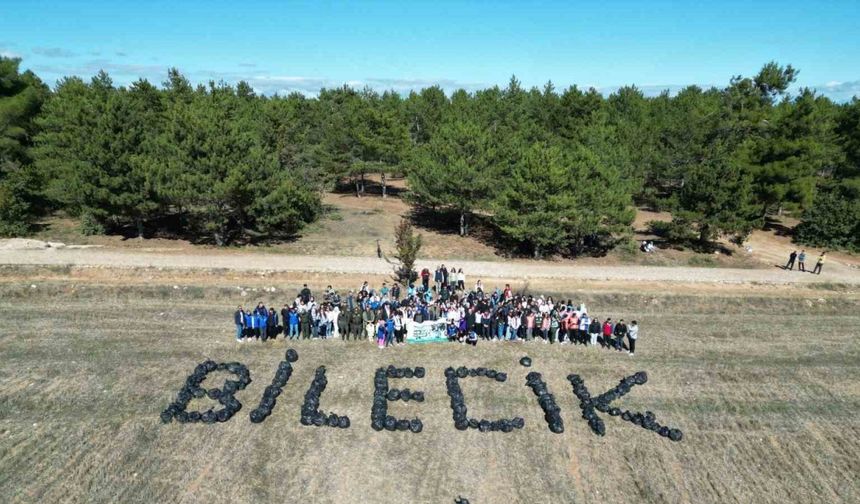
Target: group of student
(384, 316)
(801, 262)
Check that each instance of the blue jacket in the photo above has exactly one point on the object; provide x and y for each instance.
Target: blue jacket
(294, 318)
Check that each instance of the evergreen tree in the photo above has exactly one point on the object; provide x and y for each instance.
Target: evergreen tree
(456, 171)
(556, 199)
(717, 199)
(21, 189)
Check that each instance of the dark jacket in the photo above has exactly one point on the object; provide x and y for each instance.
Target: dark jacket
(239, 317)
(620, 330)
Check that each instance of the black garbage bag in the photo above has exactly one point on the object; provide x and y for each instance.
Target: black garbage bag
(556, 427)
(415, 425)
(481, 371)
(449, 372)
(393, 395)
(461, 500)
(614, 411)
(418, 396)
(222, 415)
(676, 434)
(166, 416)
(526, 361)
(208, 417)
(518, 422)
(333, 420)
(194, 416)
(484, 425)
(462, 372)
(305, 420)
(473, 372)
(491, 373)
(182, 417)
(257, 415)
(640, 378)
(474, 423)
(267, 402)
(343, 422)
(390, 423)
(419, 372)
(408, 373)
(461, 424)
(377, 424)
(500, 377)
(403, 424)
(405, 394)
(292, 355)
(319, 420)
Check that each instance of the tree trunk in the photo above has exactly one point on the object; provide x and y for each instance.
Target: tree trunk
(139, 223)
(383, 185)
(362, 183)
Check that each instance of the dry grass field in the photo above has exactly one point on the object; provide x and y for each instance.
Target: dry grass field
(764, 387)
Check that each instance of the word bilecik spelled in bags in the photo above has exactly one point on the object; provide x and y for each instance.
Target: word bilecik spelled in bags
(382, 394)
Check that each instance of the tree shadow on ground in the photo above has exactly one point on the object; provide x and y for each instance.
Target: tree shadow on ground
(777, 227)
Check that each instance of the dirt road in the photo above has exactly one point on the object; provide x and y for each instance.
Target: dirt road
(231, 260)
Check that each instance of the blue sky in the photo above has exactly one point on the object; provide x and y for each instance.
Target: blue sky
(281, 46)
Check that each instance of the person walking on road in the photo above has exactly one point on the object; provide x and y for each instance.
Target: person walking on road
(801, 261)
(790, 264)
(819, 263)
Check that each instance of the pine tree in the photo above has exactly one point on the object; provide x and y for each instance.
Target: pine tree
(456, 171)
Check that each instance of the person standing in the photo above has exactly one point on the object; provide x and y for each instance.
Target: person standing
(239, 320)
(437, 279)
(272, 324)
(632, 334)
(293, 318)
(607, 333)
(369, 319)
(343, 324)
(819, 263)
(514, 322)
(530, 324)
(801, 261)
(593, 329)
(790, 264)
(305, 294)
(306, 320)
(461, 279)
(356, 325)
(620, 333)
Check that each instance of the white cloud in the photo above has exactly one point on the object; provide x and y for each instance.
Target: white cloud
(839, 91)
(53, 52)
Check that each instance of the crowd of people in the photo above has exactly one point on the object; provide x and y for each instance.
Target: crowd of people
(471, 315)
(800, 259)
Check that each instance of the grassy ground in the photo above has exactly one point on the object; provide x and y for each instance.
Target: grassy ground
(764, 388)
(352, 226)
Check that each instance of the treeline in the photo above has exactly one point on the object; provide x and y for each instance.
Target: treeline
(548, 171)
